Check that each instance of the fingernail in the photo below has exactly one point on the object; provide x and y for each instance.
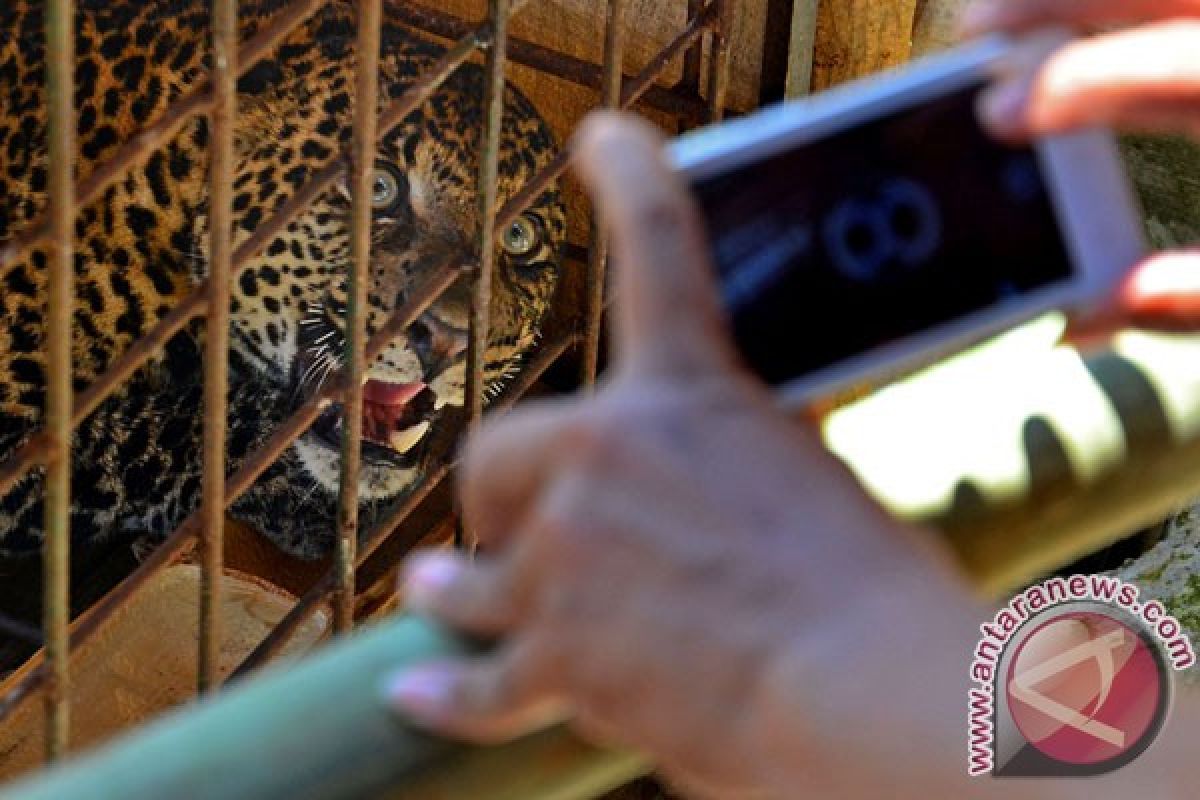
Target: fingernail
(428, 578)
(1167, 275)
(422, 691)
(1164, 294)
(1003, 107)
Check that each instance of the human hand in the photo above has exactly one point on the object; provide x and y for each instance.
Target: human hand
(1142, 77)
(1145, 77)
(680, 568)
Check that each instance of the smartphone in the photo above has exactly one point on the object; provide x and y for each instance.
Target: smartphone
(875, 227)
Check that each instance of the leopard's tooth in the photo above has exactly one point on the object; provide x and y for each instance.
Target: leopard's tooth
(405, 440)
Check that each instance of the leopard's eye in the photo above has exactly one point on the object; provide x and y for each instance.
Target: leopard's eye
(388, 189)
(521, 237)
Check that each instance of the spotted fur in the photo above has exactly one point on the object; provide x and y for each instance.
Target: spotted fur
(143, 246)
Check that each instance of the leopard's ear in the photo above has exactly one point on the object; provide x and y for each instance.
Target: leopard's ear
(264, 113)
(255, 122)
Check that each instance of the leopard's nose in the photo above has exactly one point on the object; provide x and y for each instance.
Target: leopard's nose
(436, 343)
(454, 304)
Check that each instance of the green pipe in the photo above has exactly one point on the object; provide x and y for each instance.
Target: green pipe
(319, 729)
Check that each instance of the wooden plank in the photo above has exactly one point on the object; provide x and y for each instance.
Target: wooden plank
(143, 660)
(935, 25)
(860, 37)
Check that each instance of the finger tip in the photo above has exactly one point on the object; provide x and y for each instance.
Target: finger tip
(595, 131)
(605, 136)
(604, 125)
(427, 576)
(423, 692)
(1164, 273)
(1002, 112)
(1165, 285)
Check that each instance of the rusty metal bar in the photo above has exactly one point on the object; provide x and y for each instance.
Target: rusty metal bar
(614, 51)
(60, 288)
(692, 60)
(545, 359)
(560, 65)
(193, 304)
(221, 167)
(308, 604)
(138, 148)
(489, 165)
(718, 75)
(487, 200)
(362, 185)
(178, 541)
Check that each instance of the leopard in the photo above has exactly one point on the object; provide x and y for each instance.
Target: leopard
(143, 246)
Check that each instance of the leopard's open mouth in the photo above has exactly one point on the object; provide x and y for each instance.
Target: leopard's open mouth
(397, 418)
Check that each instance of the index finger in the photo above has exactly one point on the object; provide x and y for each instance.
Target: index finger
(667, 313)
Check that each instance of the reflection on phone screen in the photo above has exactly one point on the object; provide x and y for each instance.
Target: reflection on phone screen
(876, 233)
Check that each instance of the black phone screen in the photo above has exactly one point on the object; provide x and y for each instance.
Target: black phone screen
(877, 233)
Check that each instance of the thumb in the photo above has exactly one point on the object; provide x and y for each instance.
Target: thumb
(668, 318)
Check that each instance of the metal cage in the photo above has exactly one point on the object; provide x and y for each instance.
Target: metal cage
(50, 447)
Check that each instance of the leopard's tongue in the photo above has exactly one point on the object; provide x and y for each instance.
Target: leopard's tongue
(383, 407)
(396, 395)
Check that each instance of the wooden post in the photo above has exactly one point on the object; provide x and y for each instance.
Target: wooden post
(802, 47)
